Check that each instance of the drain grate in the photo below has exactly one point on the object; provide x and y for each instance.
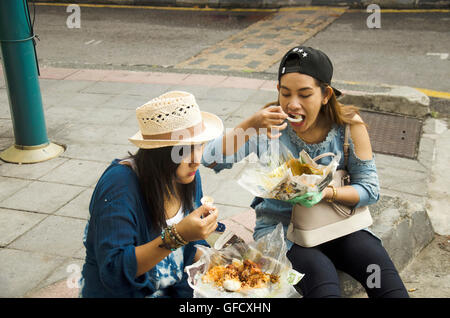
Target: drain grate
(393, 134)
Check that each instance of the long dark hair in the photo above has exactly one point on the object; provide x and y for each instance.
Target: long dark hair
(157, 173)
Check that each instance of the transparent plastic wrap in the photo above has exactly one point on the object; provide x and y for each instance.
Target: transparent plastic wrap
(279, 175)
(268, 254)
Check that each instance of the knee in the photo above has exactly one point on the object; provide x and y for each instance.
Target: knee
(321, 279)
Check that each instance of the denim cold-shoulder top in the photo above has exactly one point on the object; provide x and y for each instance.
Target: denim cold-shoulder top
(270, 212)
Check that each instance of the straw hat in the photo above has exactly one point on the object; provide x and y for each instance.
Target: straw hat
(174, 118)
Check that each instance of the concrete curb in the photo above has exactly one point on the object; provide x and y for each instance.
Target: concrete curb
(269, 4)
(387, 98)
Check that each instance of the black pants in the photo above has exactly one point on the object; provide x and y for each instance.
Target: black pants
(359, 254)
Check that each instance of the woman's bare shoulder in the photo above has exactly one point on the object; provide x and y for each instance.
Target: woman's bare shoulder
(360, 137)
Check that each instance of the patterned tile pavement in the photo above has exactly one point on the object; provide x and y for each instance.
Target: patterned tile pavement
(263, 43)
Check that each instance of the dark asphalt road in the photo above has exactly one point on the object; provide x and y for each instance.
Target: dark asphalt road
(132, 38)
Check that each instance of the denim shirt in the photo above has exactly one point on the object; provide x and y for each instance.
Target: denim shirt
(270, 212)
(118, 223)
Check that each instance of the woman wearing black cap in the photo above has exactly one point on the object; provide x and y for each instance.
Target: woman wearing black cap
(308, 117)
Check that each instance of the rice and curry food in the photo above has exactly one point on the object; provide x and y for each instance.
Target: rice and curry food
(239, 276)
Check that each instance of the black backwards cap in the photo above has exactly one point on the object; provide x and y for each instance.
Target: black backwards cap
(309, 61)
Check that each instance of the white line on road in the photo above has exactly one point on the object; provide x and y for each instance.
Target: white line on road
(443, 56)
(89, 42)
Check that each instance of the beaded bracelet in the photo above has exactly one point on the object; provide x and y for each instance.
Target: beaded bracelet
(171, 239)
(178, 237)
(166, 243)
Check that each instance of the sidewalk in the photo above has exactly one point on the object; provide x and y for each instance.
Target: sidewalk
(44, 207)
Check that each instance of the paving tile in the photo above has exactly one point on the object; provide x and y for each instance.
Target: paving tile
(56, 235)
(199, 91)
(119, 135)
(74, 132)
(252, 45)
(218, 67)
(230, 192)
(41, 197)
(269, 85)
(110, 88)
(165, 78)
(78, 207)
(98, 152)
(4, 106)
(62, 283)
(246, 219)
(130, 102)
(6, 128)
(55, 73)
(253, 64)
(212, 180)
(89, 75)
(403, 180)
(67, 87)
(198, 61)
(203, 79)
(235, 56)
(239, 230)
(218, 107)
(5, 142)
(84, 100)
(9, 186)
(230, 94)
(96, 116)
(23, 270)
(229, 211)
(30, 171)
(263, 97)
(239, 82)
(14, 223)
(76, 172)
(150, 90)
(126, 76)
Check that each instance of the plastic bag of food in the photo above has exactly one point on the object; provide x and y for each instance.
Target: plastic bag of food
(254, 270)
(279, 175)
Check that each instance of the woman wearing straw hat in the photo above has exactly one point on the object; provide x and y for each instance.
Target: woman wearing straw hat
(316, 123)
(145, 212)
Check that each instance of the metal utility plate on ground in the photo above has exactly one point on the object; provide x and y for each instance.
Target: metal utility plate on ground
(391, 134)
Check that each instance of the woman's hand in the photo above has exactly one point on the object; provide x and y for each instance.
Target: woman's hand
(308, 199)
(269, 118)
(199, 224)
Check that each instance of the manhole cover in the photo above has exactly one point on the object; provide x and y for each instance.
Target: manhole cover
(393, 134)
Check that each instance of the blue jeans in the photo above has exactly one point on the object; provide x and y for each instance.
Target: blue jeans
(359, 254)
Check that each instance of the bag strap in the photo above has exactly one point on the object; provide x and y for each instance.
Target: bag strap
(346, 144)
(323, 155)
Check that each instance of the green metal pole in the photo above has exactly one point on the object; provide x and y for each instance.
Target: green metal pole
(22, 83)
